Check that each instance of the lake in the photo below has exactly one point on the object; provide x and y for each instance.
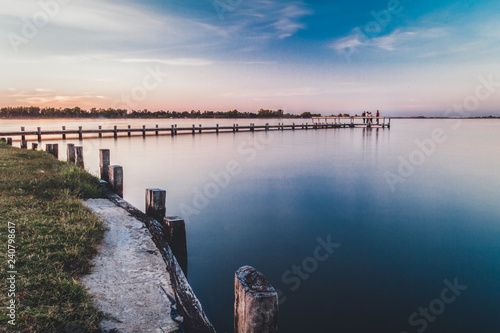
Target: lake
(381, 230)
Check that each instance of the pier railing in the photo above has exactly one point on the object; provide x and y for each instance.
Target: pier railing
(317, 123)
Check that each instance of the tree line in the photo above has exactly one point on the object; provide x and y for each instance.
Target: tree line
(77, 112)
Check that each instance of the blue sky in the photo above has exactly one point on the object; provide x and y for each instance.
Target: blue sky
(403, 57)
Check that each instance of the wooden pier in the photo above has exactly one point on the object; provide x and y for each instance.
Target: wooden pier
(115, 132)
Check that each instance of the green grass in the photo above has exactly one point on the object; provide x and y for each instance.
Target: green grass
(56, 236)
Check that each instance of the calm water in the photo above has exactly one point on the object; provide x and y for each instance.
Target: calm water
(264, 199)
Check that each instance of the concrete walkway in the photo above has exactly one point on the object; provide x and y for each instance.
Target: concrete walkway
(128, 275)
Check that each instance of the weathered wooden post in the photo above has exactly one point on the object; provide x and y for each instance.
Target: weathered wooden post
(70, 153)
(79, 156)
(389, 124)
(156, 200)
(55, 150)
(143, 131)
(293, 126)
(237, 128)
(104, 161)
(267, 126)
(172, 131)
(156, 132)
(34, 146)
(200, 129)
(193, 130)
(100, 131)
(217, 128)
(80, 133)
(116, 179)
(9, 141)
(64, 134)
(252, 127)
(39, 134)
(22, 136)
(234, 128)
(24, 144)
(255, 303)
(115, 132)
(175, 128)
(174, 229)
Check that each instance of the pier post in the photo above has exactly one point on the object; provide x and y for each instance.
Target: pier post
(24, 144)
(116, 179)
(22, 136)
(39, 134)
(234, 128)
(200, 129)
(143, 131)
(156, 203)
(71, 153)
(156, 132)
(100, 131)
(115, 132)
(267, 126)
(217, 128)
(255, 303)
(389, 124)
(79, 156)
(175, 129)
(193, 130)
(293, 126)
(80, 133)
(104, 162)
(128, 132)
(174, 229)
(237, 128)
(64, 134)
(252, 127)
(9, 141)
(34, 146)
(55, 150)
(172, 132)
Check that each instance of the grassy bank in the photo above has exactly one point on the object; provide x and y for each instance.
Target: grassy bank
(55, 237)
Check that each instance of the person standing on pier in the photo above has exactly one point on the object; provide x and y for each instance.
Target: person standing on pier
(378, 115)
(364, 115)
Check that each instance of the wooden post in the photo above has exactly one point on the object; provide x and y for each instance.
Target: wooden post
(234, 128)
(116, 179)
(55, 150)
(156, 200)
(293, 126)
(143, 131)
(175, 128)
(172, 132)
(237, 128)
(255, 303)
(39, 134)
(115, 132)
(193, 130)
(174, 230)
(104, 162)
(200, 129)
(9, 141)
(22, 136)
(156, 132)
(24, 144)
(252, 127)
(34, 146)
(70, 153)
(267, 126)
(79, 156)
(217, 128)
(128, 133)
(80, 133)
(389, 124)
(100, 131)
(64, 134)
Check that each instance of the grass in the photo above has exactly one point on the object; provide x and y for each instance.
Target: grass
(56, 236)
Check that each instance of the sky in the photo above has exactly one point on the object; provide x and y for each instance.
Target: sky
(403, 57)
